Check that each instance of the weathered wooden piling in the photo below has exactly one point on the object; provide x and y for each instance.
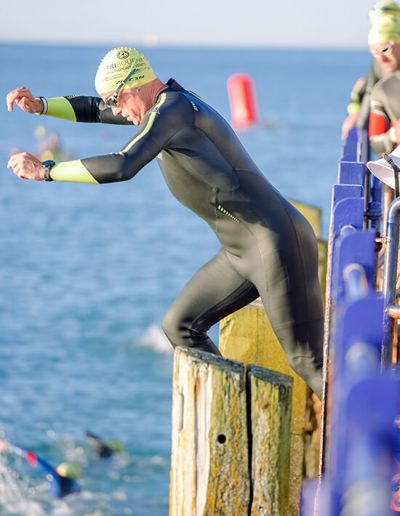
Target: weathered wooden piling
(230, 442)
(209, 463)
(247, 336)
(270, 414)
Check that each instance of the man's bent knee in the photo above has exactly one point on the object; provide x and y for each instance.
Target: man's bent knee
(171, 327)
(181, 333)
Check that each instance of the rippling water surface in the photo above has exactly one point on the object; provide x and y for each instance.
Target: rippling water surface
(87, 271)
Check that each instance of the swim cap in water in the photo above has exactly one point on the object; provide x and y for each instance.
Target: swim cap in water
(385, 24)
(117, 64)
(69, 470)
(116, 446)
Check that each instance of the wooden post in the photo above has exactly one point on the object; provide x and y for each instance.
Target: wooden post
(222, 464)
(270, 396)
(247, 336)
(209, 462)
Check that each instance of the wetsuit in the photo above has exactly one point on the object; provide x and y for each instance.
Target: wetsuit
(102, 449)
(59, 486)
(267, 249)
(385, 111)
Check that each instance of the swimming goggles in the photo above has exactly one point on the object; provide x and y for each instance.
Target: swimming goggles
(112, 101)
(384, 50)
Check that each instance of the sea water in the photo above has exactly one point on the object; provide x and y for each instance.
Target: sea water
(86, 271)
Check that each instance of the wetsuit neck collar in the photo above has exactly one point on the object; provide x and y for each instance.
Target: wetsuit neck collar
(173, 85)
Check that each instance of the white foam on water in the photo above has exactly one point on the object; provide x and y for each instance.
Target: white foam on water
(155, 338)
(60, 508)
(14, 494)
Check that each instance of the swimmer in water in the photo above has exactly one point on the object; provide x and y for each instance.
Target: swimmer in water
(63, 478)
(104, 449)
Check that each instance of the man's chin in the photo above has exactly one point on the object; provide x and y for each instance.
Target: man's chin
(128, 117)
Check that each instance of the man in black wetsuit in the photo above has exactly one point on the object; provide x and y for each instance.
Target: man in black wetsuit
(267, 249)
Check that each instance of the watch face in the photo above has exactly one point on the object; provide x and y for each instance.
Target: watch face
(48, 165)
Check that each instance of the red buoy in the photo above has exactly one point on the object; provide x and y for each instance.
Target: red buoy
(241, 100)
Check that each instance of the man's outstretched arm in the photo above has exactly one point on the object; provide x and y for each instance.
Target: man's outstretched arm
(153, 134)
(30, 457)
(75, 109)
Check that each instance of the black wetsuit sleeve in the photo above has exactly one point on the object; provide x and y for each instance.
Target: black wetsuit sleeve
(46, 467)
(83, 109)
(157, 128)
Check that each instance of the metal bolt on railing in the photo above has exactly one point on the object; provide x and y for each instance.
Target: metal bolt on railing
(355, 280)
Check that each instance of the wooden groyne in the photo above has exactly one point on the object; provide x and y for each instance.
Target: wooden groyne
(231, 437)
(269, 405)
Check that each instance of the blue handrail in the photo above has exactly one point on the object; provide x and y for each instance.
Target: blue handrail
(363, 397)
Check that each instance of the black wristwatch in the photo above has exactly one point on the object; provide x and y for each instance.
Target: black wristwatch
(48, 165)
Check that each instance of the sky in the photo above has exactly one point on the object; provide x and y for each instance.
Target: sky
(260, 23)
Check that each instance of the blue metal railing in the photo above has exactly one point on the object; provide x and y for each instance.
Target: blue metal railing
(363, 397)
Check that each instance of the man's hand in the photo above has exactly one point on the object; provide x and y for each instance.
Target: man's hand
(26, 166)
(24, 100)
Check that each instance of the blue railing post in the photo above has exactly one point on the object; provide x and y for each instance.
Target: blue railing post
(364, 399)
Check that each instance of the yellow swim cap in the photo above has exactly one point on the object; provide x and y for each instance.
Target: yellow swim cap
(116, 446)
(385, 23)
(383, 7)
(69, 470)
(116, 65)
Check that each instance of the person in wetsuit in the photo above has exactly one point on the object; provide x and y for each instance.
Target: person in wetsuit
(358, 109)
(384, 44)
(268, 249)
(383, 18)
(63, 478)
(104, 449)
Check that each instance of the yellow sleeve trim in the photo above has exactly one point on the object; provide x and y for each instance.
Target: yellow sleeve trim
(60, 108)
(73, 171)
(353, 108)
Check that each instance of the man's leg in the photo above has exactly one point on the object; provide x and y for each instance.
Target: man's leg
(214, 292)
(292, 298)
(303, 347)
